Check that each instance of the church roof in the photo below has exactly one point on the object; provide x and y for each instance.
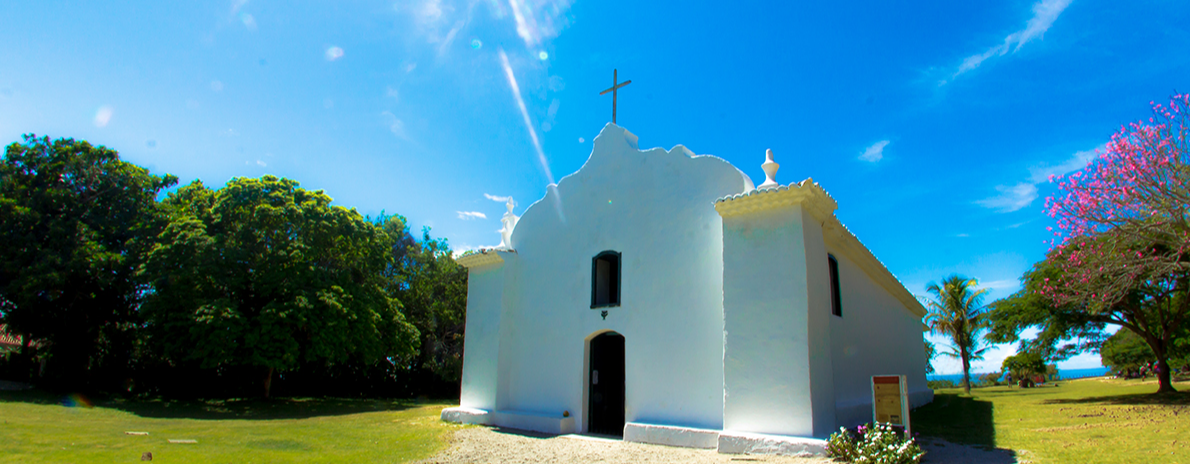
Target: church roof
(8, 340)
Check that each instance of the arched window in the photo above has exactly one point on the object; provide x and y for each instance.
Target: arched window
(605, 279)
(836, 301)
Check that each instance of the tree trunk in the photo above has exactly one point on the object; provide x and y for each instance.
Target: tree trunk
(966, 373)
(1163, 376)
(268, 382)
(27, 357)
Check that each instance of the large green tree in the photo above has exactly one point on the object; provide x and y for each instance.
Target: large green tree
(955, 310)
(263, 273)
(433, 290)
(75, 224)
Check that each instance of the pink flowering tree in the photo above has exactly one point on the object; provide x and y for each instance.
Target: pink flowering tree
(1121, 253)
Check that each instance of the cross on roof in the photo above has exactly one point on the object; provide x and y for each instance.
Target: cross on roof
(615, 86)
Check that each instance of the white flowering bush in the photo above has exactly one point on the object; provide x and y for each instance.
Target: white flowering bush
(878, 444)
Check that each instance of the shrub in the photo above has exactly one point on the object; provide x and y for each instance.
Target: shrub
(941, 384)
(879, 444)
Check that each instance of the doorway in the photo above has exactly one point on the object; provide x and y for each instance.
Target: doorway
(605, 384)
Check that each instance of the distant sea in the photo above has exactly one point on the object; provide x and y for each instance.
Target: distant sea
(1062, 374)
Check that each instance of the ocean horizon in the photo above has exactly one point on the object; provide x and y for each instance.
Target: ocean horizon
(1073, 373)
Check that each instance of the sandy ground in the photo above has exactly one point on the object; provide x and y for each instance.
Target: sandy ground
(502, 445)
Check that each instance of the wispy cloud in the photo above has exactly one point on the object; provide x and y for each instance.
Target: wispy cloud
(496, 197)
(1011, 198)
(248, 20)
(874, 152)
(1078, 161)
(1022, 194)
(471, 215)
(450, 37)
(395, 125)
(540, 20)
(1045, 12)
(392, 93)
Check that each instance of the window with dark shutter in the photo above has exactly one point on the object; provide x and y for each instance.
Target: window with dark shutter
(836, 302)
(605, 279)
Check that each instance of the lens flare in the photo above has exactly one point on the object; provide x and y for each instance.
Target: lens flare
(334, 53)
(103, 116)
(76, 400)
(543, 56)
(476, 44)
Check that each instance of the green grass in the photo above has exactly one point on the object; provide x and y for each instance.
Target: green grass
(1081, 421)
(37, 428)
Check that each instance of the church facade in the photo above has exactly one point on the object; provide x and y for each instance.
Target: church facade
(660, 296)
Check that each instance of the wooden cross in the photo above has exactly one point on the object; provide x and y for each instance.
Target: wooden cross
(613, 89)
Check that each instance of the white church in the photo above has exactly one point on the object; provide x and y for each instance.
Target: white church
(659, 296)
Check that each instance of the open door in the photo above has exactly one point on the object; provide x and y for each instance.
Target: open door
(605, 407)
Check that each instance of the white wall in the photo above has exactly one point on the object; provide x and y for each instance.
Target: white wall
(656, 208)
(485, 286)
(876, 335)
(777, 357)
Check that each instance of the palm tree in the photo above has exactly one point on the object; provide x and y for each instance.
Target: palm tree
(956, 311)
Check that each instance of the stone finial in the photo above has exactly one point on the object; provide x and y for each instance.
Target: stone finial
(509, 220)
(770, 170)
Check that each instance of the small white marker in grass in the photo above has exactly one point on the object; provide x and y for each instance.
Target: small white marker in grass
(183, 441)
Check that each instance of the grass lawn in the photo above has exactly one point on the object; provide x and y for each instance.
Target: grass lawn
(39, 427)
(1081, 421)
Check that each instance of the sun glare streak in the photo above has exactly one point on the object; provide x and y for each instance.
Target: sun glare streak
(516, 92)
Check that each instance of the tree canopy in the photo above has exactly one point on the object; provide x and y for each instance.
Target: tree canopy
(956, 311)
(76, 222)
(1122, 250)
(266, 274)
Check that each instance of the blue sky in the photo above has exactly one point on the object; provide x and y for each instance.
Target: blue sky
(933, 124)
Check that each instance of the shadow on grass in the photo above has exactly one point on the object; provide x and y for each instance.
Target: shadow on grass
(1166, 398)
(961, 420)
(224, 409)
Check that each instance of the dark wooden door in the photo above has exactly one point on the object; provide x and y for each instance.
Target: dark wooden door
(605, 407)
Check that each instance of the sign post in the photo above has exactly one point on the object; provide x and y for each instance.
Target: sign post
(890, 401)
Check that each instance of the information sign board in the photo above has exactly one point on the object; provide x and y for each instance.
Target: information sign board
(890, 400)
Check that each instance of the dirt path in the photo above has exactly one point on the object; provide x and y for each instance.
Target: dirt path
(501, 445)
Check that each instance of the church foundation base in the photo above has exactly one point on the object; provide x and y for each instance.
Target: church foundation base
(732, 442)
(467, 416)
(528, 421)
(676, 436)
(533, 421)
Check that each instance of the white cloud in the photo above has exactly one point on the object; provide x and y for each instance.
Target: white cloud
(390, 92)
(496, 197)
(103, 116)
(1078, 161)
(217, 86)
(1045, 12)
(261, 163)
(471, 215)
(874, 152)
(395, 125)
(1016, 197)
(1011, 198)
